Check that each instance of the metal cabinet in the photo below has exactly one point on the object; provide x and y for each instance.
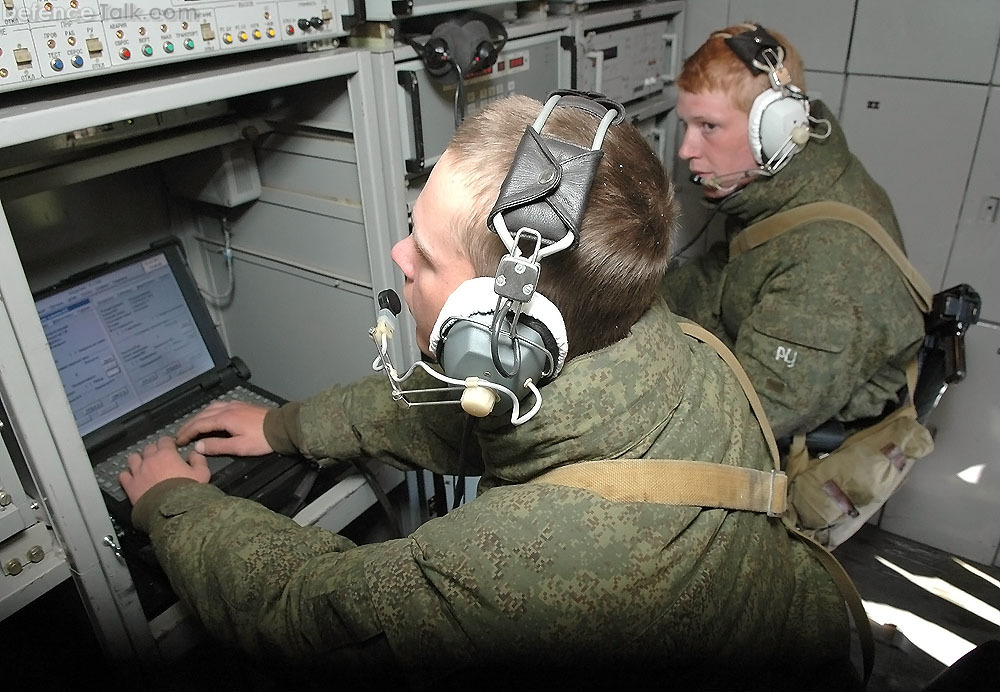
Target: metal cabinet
(318, 236)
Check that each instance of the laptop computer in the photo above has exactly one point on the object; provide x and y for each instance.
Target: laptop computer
(138, 354)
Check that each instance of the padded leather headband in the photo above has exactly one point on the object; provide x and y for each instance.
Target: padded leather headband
(750, 44)
(548, 182)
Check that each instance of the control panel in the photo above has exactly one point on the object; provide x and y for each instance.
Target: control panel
(627, 53)
(44, 41)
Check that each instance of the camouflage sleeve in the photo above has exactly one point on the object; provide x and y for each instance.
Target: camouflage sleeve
(804, 345)
(692, 289)
(362, 419)
(259, 581)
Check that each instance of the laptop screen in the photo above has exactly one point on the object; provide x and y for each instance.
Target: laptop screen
(124, 335)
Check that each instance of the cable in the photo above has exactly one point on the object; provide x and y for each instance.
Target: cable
(459, 96)
(221, 300)
(704, 227)
(463, 459)
(380, 495)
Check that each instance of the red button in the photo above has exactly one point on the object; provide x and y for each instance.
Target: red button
(125, 53)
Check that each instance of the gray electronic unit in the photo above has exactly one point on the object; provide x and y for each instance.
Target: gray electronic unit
(626, 52)
(529, 64)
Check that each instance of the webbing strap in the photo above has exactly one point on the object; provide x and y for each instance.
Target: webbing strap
(698, 332)
(708, 484)
(782, 222)
(851, 596)
(676, 482)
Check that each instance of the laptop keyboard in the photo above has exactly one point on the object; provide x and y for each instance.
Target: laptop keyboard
(107, 471)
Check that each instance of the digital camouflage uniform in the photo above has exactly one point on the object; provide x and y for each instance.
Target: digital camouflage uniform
(820, 317)
(524, 578)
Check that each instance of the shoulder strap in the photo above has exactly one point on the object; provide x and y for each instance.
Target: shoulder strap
(698, 332)
(708, 484)
(759, 233)
(677, 482)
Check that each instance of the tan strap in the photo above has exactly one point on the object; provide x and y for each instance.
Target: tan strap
(709, 484)
(782, 222)
(698, 332)
(676, 482)
(851, 596)
(911, 378)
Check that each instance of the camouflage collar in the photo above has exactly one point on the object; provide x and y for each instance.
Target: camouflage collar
(606, 404)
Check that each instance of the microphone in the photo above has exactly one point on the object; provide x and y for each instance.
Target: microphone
(717, 182)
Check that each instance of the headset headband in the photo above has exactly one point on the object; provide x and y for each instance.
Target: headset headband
(759, 50)
(549, 180)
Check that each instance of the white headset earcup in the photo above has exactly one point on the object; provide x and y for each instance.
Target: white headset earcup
(773, 118)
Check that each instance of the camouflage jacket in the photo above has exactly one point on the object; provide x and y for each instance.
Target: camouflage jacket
(525, 577)
(820, 318)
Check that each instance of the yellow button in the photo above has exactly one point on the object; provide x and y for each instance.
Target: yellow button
(228, 38)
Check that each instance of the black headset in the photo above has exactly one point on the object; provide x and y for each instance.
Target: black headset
(501, 329)
(779, 123)
(461, 45)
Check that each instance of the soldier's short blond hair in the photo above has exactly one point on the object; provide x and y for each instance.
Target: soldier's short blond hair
(605, 284)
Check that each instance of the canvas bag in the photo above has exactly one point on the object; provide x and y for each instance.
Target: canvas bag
(831, 496)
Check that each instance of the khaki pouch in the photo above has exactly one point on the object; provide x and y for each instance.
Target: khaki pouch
(833, 495)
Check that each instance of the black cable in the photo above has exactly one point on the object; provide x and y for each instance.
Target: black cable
(704, 227)
(459, 96)
(440, 500)
(463, 459)
(701, 231)
(503, 306)
(297, 499)
(380, 495)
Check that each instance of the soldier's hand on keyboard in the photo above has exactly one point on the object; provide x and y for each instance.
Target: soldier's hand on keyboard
(243, 422)
(158, 462)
